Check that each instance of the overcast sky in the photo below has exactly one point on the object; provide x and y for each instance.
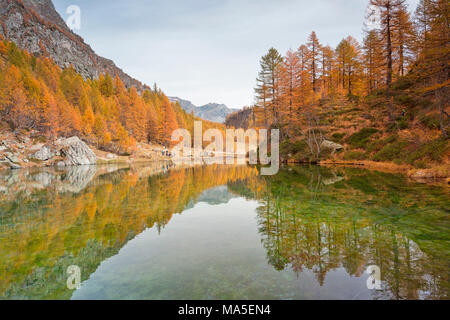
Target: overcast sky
(209, 50)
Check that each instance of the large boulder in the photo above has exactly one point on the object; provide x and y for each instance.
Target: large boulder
(326, 144)
(76, 152)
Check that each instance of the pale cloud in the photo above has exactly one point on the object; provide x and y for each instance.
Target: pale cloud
(208, 50)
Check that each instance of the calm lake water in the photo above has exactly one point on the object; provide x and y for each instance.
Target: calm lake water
(221, 232)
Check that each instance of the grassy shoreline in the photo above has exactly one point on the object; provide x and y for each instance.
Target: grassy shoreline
(435, 173)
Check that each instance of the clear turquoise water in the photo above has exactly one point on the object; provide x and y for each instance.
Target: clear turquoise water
(221, 232)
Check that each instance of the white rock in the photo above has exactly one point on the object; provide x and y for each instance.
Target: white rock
(76, 152)
(45, 153)
(13, 158)
(331, 145)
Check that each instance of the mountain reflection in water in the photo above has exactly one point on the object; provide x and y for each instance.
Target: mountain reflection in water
(307, 233)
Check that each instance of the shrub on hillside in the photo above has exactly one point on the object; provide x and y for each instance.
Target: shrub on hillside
(400, 124)
(406, 100)
(403, 124)
(377, 145)
(354, 155)
(361, 138)
(431, 151)
(338, 136)
(391, 151)
(430, 121)
(298, 150)
(402, 84)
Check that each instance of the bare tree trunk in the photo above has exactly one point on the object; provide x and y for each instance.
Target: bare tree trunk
(350, 81)
(401, 61)
(389, 50)
(315, 137)
(389, 64)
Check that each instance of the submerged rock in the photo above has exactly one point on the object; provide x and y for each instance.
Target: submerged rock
(76, 152)
(333, 180)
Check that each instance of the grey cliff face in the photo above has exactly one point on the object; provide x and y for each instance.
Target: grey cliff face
(35, 25)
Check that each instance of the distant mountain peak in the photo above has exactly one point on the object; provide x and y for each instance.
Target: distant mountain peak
(216, 112)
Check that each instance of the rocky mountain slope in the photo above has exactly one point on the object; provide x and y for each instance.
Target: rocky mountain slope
(35, 25)
(240, 118)
(212, 111)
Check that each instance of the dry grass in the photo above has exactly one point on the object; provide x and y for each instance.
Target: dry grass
(144, 153)
(371, 165)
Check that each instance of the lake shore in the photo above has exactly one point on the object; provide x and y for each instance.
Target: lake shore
(434, 174)
(22, 151)
(31, 150)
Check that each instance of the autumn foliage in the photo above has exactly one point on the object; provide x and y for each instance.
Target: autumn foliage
(35, 94)
(395, 82)
(398, 47)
